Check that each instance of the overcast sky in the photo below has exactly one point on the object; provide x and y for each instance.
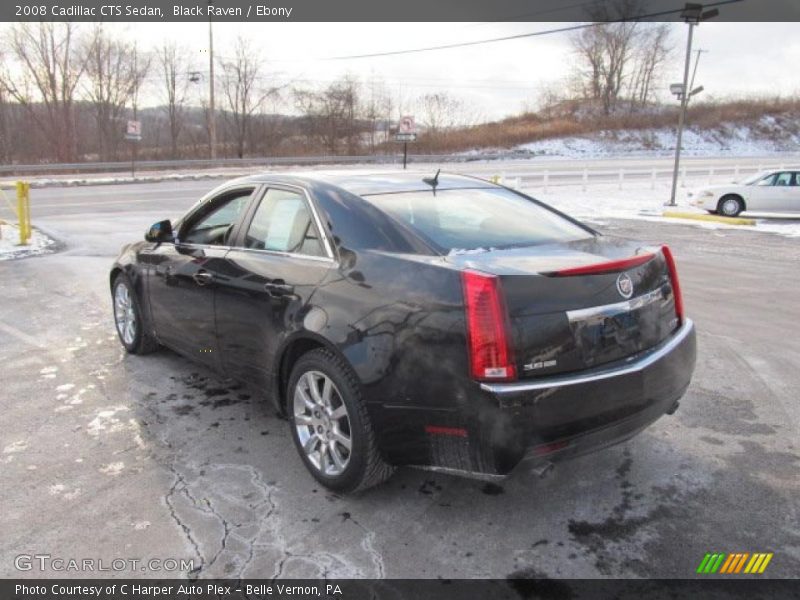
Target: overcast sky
(496, 79)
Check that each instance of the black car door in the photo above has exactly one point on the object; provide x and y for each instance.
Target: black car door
(183, 275)
(279, 256)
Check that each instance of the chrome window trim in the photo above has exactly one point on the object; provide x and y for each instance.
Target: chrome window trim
(278, 253)
(609, 310)
(326, 244)
(216, 192)
(558, 381)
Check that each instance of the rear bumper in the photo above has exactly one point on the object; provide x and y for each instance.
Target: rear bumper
(568, 415)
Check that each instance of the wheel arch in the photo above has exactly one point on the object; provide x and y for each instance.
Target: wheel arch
(116, 270)
(288, 355)
(735, 195)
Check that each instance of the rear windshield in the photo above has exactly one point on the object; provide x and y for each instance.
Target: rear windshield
(477, 219)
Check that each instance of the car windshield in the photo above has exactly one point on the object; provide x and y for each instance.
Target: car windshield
(755, 178)
(472, 219)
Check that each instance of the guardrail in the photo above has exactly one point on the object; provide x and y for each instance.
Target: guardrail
(545, 178)
(95, 167)
(541, 174)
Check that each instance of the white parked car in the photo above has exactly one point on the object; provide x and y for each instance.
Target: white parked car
(769, 191)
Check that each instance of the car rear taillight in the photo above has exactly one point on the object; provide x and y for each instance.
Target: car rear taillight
(487, 328)
(609, 266)
(673, 277)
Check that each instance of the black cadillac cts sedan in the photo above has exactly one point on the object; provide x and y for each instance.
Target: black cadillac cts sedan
(403, 319)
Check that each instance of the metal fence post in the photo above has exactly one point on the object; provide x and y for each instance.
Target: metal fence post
(653, 180)
(710, 175)
(621, 177)
(585, 178)
(546, 177)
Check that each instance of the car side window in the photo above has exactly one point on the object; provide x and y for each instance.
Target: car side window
(282, 223)
(783, 179)
(796, 179)
(214, 222)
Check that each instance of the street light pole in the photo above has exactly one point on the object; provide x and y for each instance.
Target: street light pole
(692, 15)
(212, 120)
(682, 116)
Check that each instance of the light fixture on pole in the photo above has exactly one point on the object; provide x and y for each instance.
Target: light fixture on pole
(692, 15)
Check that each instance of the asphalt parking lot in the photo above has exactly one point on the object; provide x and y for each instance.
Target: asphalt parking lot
(106, 455)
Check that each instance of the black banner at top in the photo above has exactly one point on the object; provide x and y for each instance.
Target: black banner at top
(553, 11)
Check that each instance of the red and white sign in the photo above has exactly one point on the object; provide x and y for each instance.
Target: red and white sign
(406, 125)
(134, 128)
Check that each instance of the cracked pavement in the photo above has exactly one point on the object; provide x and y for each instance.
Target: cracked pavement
(106, 455)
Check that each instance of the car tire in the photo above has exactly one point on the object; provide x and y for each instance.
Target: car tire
(730, 206)
(132, 328)
(321, 386)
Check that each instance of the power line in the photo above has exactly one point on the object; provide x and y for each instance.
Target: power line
(520, 36)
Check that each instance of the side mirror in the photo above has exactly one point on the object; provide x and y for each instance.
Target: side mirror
(160, 232)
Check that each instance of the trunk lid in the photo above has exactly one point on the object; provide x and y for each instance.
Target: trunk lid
(566, 316)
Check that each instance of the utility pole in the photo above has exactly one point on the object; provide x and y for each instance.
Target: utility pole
(212, 116)
(135, 107)
(692, 15)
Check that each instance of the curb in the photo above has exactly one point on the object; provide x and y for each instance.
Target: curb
(673, 214)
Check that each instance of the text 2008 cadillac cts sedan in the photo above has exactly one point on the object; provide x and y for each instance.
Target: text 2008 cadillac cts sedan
(399, 319)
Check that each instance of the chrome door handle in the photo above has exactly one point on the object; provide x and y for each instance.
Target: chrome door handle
(203, 277)
(278, 288)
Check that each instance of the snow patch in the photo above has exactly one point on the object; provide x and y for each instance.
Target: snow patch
(38, 244)
(112, 468)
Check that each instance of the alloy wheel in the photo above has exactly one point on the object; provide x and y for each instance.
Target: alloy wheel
(124, 313)
(322, 423)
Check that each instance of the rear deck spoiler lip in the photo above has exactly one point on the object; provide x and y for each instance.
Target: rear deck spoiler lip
(636, 364)
(610, 266)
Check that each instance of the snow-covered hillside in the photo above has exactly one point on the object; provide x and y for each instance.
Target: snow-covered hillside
(767, 137)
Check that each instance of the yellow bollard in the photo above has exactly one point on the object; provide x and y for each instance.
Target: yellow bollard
(24, 212)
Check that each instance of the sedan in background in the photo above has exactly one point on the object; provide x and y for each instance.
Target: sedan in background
(765, 192)
(443, 322)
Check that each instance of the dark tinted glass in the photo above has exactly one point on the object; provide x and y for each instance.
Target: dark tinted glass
(213, 224)
(480, 218)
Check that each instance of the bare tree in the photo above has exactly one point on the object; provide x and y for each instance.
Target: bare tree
(653, 48)
(244, 95)
(332, 114)
(174, 73)
(440, 111)
(114, 74)
(5, 130)
(50, 68)
(377, 109)
(606, 50)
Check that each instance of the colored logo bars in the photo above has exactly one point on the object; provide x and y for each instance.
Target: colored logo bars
(729, 564)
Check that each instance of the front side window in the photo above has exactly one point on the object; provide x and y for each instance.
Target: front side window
(468, 219)
(283, 223)
(215, 221)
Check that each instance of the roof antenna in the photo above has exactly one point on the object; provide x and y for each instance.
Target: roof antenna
(433, 181)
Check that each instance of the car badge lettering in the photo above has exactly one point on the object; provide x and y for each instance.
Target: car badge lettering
(625, 286)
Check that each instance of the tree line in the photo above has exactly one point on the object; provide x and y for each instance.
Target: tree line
(68, 90)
